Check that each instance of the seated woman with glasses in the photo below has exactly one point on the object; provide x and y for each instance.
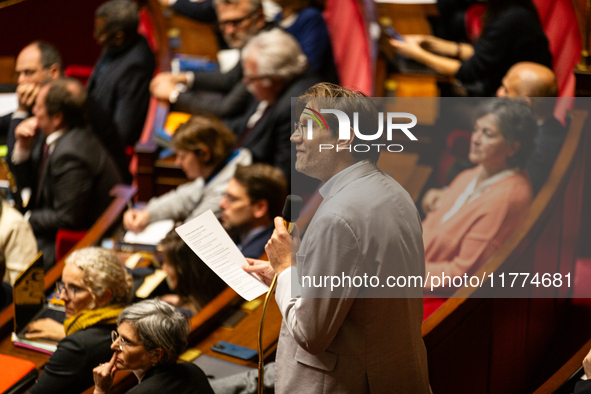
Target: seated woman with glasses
(205, 151)
(485, 204)
(95, 288)
(150, 337)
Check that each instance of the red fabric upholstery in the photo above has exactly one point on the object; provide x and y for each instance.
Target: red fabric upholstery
(81, 73)
(559, 22)
(457, 146)
(350, 44)
(560, 25)
(473, 21)
(66, 240)
(582, 279)
(430, 305)
(146, 29)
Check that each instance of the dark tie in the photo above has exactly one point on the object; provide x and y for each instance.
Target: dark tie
(248, 130)
(41, 170)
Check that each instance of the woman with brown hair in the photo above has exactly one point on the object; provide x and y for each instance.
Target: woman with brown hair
(205, 151)
(483, 205)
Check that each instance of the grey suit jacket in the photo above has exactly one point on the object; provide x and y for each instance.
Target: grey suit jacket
(358, 342)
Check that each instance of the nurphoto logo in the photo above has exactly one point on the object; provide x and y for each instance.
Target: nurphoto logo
(345, 129)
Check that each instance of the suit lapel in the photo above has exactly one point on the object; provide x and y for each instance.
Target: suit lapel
(46, 170)
(254, 133)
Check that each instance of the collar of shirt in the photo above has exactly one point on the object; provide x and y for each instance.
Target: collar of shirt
(52, 138)
(20, 114)
(258, 114)
(251, 235)
(472, 191)
(328, 185)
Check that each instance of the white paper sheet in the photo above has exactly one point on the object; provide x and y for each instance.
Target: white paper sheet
(208, 239)
(228, 59)
(8, 103)
(151, 235)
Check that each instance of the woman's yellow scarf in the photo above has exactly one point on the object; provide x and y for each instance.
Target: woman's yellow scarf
(87, 318)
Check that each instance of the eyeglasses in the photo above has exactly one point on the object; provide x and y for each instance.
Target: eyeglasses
(253, 78)
(236, 22)
(71, 290)
(122, 341)
(299, 127)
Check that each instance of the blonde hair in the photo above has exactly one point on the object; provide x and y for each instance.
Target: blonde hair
(102, 270)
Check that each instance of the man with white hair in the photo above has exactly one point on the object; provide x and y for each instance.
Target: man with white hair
(239, 21)
(275, 70)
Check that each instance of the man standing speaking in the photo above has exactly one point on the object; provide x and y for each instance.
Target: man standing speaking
(347, 337)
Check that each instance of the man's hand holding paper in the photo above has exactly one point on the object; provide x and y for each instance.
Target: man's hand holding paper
(207, 239)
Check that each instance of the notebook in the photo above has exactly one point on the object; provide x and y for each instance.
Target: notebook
(30, 304)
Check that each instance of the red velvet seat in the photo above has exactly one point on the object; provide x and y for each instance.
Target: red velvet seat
(66, 240)
(473, 21)
(81, 73)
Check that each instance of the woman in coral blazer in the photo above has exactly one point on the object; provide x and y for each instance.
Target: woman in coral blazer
(483, 205)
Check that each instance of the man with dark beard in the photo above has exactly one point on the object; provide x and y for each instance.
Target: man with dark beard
(253, 198)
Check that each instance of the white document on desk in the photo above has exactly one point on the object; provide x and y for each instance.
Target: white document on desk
(151, 235)
(207, 239)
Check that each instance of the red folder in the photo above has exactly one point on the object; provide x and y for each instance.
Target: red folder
(16, 373)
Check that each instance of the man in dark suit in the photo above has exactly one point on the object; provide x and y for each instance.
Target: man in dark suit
(254, 196)
(35, 63)
(4, 125)
(77, 173)
(201, 11)
(536, 85)
(191, 92)
(275, 70)
(119, 87)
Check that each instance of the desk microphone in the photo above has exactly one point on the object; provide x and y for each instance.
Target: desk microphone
(290, 215)
(291, 211)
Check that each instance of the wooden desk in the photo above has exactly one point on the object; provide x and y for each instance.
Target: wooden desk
(245, 333)
(564, 374)
(409, 18)
(156, 176)
(195, 38)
